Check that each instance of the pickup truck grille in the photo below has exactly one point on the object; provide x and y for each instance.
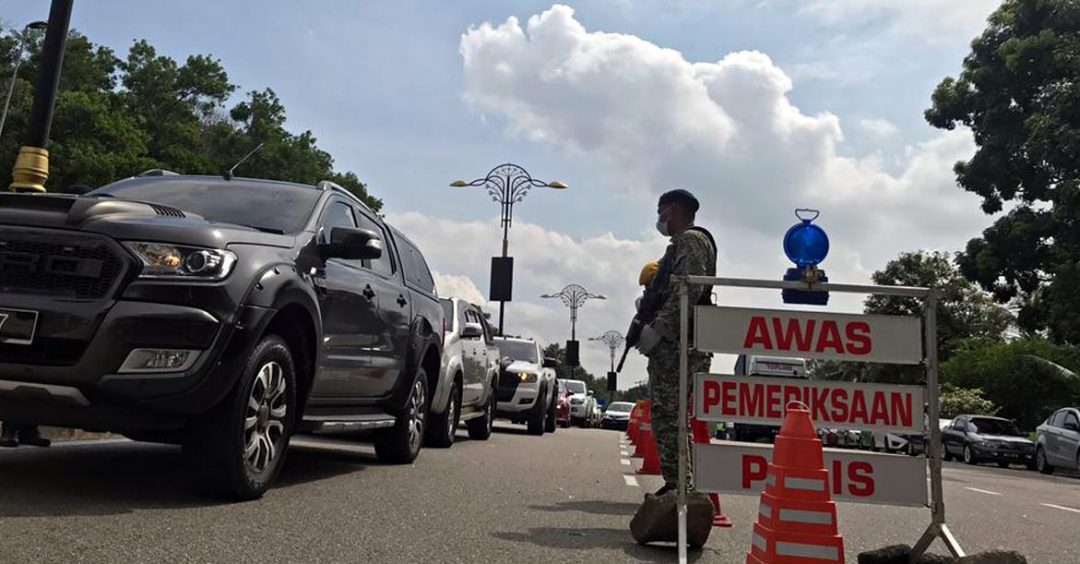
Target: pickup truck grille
(69, 264)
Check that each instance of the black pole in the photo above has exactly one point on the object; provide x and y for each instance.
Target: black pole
(48, 79)
(31, 169)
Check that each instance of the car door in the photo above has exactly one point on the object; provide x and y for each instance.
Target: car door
(472, 360)
(349, 314)
(390, 339)
(1052, 430)
(1069, 440)
(952, 436)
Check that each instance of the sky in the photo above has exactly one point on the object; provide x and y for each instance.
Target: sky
(756, 106)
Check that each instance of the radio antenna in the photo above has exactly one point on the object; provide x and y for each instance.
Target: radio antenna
(228, 174)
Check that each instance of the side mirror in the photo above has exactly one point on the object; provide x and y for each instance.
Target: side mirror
(472, 331)
(591, 393)
(550, 362)
(350, 243)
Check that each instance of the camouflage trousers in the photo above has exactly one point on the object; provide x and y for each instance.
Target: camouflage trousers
(664, 393)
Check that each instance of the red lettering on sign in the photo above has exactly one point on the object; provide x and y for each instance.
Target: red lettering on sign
(773, 407)
(861, 476)
(728, 394)
(758, 334)
(711, 395)
(840, 405)
(791, 393)
(858, 336)
(818, 411)
(858, 407)
(879, 414)
(793, 333)
(901, 409)
(751, 401)
(837, 476)
(754, 469)
(830, 338)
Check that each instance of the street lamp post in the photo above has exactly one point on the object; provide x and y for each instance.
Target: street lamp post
(613, 339)
(23, 38)
(574, 296)
(507, 184)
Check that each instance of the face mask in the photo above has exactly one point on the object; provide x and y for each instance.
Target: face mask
(661, 226)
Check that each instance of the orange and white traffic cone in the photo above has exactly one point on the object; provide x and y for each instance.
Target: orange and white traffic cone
(796, 519)
(635, 422)
(700, 430)
(646, 446)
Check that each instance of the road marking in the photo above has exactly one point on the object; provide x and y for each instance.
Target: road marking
(624, 453)
(630, 480)
(1061, 507)
(625, 462)
(987, 492)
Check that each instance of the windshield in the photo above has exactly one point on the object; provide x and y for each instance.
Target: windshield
(620, 407)
(575, 386)
(268, 206)
(518, 350)
(995, 427)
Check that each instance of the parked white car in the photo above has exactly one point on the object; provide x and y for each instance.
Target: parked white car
(527, 387)
(1058, 441)
(470, 369)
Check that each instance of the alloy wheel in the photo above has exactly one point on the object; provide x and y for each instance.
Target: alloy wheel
(415, 414)
(264, 417)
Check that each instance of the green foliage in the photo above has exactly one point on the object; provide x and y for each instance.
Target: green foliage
(1027, 378)
(117, 117)
(1019, 95)
(958, 401)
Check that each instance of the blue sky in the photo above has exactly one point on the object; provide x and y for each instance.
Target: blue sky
(827, 112)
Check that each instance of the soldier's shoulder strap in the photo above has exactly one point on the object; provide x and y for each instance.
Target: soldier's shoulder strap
(707, 235)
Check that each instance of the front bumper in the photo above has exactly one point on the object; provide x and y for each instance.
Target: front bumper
(613, 423)
(579, 411)
(1000, 454)
(522, 399)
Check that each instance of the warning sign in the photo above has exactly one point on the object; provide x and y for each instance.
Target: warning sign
(803, 334)
(835, 405)
(861, 477)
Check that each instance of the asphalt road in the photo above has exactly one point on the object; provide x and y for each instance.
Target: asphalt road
(515, 498)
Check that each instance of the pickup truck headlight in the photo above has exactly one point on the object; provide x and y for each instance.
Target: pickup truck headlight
(527, 378)
(175, 262)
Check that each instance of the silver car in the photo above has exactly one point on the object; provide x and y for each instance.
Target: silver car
(1058, 441)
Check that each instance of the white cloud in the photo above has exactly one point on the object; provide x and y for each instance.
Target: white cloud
(877, 127)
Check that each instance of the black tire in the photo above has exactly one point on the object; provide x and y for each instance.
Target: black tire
(945, 454)
(443, 428)
(537, 416)
(237, 450)
(480, 428)
(969, 456)
(550, 424)
(1003, 464)
(1041, 464)
(401, 444)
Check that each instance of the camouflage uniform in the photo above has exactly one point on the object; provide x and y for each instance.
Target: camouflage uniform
(693, 255)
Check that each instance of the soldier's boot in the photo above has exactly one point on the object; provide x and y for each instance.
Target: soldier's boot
(31, 436)
(657, 519)
(8, 437)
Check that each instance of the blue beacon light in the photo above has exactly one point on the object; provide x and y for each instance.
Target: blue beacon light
(806, 245)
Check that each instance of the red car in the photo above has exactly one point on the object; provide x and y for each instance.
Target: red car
(562, 406)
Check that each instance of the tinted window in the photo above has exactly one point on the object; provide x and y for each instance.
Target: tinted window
(518, 350)
(383, 264)
(448, 312)
(1057, 419)
(1070, 418)
(575, 386)
(337, 214)
(994, 427)
(620, 407)
(416, 270)
(263, 205)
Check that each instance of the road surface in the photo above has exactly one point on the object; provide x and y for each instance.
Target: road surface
(516, 498)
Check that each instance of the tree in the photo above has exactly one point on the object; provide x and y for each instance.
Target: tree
(1019, 95)
(117, 117)
(958, 401)
(1027, 378)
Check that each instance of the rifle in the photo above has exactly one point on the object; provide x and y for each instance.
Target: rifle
(651, 302)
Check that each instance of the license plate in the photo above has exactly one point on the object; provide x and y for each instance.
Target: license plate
(17, 326)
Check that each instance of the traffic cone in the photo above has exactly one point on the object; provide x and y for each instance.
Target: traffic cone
(644, 423)
(796, 519)
(700, 431)
(635, 421)
(646, 446)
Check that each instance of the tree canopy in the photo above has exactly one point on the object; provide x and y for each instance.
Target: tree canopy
(117, 117)
(1019, 95)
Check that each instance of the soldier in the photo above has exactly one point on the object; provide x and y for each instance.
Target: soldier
(692, 252)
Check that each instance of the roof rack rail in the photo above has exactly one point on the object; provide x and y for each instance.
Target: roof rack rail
(326, 186)
(157, 172)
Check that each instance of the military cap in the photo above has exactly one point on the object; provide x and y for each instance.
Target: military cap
(680, 196)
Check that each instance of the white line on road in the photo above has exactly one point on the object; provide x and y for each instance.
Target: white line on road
(988, 492)
(1061, 507)
(630, 480)
(624, 452)
(625, 462)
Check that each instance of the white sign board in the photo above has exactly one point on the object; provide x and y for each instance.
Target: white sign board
(808, 334)
(833, 405)
(861, 477)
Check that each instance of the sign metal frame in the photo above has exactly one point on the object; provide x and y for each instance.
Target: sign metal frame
(930, 296)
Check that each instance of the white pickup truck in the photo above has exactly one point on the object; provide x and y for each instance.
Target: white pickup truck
(470, 369)
(527, 388)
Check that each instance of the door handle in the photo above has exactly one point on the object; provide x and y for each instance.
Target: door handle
(401, 300)
(368, 292)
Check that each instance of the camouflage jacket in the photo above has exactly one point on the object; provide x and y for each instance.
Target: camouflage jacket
(691, 254)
